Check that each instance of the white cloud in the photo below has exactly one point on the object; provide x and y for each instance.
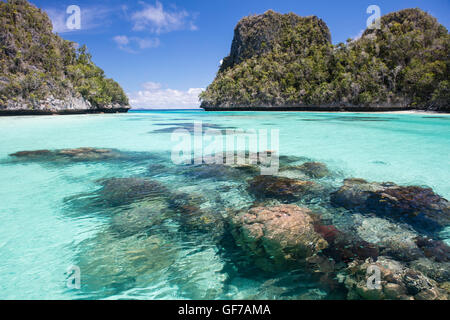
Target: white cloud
(151, 86)
(122, 40)
(58, 18)
(132, 44)
(155, 97)
(158, 20)
(147, 43)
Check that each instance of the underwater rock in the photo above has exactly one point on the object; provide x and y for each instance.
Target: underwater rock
(321, 263)
(355, 193)
(31, 154)
(239, 167)
(266, 203)
(396, 241)
(121, 191)
(277, 237)
(206, 221)
(155, 169)
(218, 172)
(111, 265)
(192, 216)
(398, 282)
(247, 168)
(402, 251)
(282, 188)
(328, 232)
(79, 154)
(438, 271)
(88, 154)
(420, 207)
(346, 247)
(436, 250)
(292, 173)
(140, 219)
(416, 203)
(446, 287)
(315, 170)
(186, 203)
(287, 160)
(343, 245)
(199, 274)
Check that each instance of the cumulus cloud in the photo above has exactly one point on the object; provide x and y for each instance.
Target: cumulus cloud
(154, 96)
(151, 86)
(146, 43)
(132, 44)
(58, 18)
(122, 40)
(158, 20)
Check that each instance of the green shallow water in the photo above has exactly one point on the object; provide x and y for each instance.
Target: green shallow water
(43, 232)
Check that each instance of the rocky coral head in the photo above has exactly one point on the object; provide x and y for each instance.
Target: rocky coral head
(418, 206)
(78, 154)
(315, 170)
(121, 191)
(278, 236)
(398, 282)
(434, 249)
(282, 188)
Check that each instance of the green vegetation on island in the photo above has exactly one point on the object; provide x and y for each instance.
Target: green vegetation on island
(287, 61)
(40, 71)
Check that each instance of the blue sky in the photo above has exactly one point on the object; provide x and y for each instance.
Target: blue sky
(164, 52)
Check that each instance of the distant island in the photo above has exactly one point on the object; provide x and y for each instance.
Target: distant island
(41, 73)
(285, 62)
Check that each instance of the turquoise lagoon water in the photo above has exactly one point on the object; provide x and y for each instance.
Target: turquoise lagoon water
(47, 222)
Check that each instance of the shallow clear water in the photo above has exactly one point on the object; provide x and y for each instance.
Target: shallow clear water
(49, 223)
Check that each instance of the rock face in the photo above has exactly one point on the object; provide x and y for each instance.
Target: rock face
(278, 236)
(398, 282)
(418, 206)
(41, 73)
(287, 62)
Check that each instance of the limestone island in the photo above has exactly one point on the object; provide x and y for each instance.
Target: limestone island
(284, 62)
(41, 73)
